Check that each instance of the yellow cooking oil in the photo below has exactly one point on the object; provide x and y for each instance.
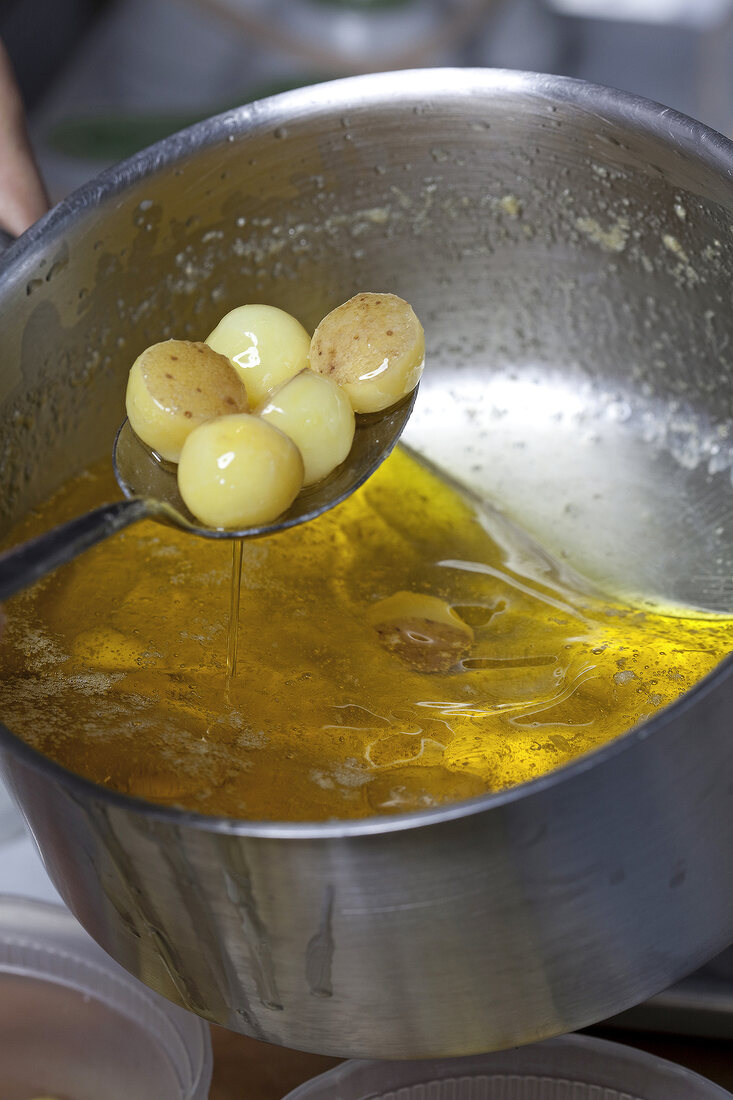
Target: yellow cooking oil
(115, 666)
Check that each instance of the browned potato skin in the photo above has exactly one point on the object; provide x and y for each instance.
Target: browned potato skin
(373, 346)
(423, 631)
(176, 385)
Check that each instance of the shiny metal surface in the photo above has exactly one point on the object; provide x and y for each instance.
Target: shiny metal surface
(569, 250)
(151, 492)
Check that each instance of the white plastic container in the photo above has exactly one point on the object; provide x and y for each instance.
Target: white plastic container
(73, 1024)
(574, 1067)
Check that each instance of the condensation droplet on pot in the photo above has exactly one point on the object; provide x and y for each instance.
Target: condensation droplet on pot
(56, 268)
(620, 411)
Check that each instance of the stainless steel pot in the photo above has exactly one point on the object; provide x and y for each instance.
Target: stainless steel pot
(570, 250)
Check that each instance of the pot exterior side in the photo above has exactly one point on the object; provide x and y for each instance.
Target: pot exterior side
(531, 917)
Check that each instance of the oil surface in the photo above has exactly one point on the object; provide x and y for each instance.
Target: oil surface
(115, 666)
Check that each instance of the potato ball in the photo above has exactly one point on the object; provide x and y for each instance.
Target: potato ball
(374, 347)
(423, 631)
(239, 471)
(266, 345)
(176, 385)
(317, 415)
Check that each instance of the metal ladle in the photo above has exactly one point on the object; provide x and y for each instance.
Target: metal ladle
(151, 492)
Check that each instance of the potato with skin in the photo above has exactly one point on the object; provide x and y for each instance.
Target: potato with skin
(176, 385)
(373, 346)
(265, 344)
(423, 631)
(317, 415)
(239, 471)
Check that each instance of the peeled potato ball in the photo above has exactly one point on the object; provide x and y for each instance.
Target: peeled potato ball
(176, 385)
(317, 415)
(374, 347)
(265, 344)
(239, 471)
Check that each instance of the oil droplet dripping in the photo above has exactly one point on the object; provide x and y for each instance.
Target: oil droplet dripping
(233, 627)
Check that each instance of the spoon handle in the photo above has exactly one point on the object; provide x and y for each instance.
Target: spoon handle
(25, 563)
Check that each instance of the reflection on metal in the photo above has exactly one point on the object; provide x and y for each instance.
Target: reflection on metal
(700, 1005)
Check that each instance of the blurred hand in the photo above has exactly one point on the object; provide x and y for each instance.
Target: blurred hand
(23, 197)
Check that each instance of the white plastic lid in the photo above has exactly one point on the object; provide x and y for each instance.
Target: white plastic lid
(74, 1024)
(574, 1067)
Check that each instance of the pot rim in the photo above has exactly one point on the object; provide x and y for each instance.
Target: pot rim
(632, 112)
(636, 113)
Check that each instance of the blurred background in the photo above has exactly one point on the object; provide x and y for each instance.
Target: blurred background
(103, 78)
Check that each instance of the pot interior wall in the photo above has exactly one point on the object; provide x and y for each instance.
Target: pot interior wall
(572, 272)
